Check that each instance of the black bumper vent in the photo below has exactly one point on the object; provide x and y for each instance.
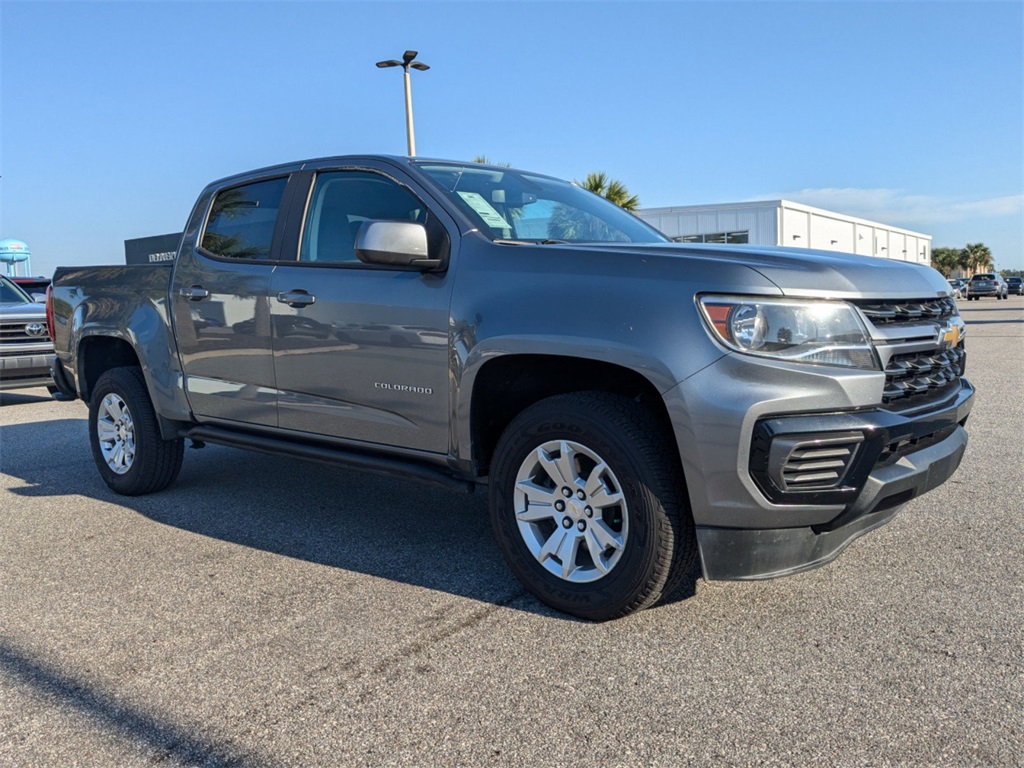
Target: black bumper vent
(812, 463)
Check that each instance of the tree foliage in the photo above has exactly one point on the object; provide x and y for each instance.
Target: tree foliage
(569, 223)
(612, 190)
(978, 257)
(484, 160)
(946, 260)
(973, 258)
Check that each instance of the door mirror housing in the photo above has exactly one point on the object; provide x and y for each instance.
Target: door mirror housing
(401, 244)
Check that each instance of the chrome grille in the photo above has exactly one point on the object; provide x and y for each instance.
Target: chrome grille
(15, 333)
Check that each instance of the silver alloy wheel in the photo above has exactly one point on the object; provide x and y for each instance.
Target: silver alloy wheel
(115, 431)
(571, 511)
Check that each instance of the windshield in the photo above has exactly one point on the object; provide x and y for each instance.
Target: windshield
(512, 205)
(12, 294)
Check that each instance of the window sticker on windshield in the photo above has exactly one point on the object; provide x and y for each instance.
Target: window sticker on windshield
(490, 216)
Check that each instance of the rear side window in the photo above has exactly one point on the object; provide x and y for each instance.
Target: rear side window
(242, 219)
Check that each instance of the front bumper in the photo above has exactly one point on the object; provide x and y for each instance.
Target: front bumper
(734, 553)
(26, 370)
(727, 416)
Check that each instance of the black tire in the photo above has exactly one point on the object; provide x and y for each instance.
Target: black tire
(154, 462)
(659, 544)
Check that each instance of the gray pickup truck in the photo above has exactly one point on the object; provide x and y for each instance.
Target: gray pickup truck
(627, 401)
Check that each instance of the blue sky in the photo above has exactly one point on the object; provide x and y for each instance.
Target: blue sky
(115, 115)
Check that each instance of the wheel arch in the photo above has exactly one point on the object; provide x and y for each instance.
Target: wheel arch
(97, 354)
(505, 385)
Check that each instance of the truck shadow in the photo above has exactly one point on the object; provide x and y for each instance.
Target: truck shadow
(176, 744)
(20, 398)
(381, 526)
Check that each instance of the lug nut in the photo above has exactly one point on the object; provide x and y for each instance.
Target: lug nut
(589, 511)
(581, 495)
(566, 522)
(582, 525)
(560, 505)
(566, 492)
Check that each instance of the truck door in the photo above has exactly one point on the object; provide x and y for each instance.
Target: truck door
(220, 295)
(361, 352)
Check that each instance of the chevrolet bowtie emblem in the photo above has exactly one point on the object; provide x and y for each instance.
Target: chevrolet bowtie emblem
(950, 335)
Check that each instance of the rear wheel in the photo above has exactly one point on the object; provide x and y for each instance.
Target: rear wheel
(588, 505)
(132, 457)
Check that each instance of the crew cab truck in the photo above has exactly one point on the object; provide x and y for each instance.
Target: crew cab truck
(628, 402)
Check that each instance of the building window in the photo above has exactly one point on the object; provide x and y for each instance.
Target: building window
(716, 237)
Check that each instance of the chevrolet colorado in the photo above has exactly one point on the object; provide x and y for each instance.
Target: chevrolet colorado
(627, 401)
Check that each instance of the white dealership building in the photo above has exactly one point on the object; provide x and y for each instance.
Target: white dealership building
(782, 222)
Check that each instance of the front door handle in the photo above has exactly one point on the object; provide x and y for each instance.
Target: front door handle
(297, 298)
(195, 293)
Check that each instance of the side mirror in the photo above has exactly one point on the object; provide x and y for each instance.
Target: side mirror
(400, 244)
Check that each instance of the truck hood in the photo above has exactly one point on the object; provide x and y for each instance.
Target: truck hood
(26, 312)
(817, 274)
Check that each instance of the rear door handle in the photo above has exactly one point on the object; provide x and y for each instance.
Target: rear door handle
(296, 298)
(195, 293)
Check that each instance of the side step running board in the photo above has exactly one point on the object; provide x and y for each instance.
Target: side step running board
(336, 456)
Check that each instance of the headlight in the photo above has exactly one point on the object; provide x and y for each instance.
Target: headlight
(817, 332)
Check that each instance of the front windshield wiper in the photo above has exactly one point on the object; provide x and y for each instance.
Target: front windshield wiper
(532, 242)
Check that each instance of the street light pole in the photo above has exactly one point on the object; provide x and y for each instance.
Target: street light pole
(405, 63)
(410, 132)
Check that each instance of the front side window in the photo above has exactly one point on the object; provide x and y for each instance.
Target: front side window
(512, 205)
(241, 221)
(341, 202)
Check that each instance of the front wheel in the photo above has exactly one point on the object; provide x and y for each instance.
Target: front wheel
(132, 457)
(588, 505)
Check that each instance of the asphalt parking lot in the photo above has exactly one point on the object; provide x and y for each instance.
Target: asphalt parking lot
(270, 612)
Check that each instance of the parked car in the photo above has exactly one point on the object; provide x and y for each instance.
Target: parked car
(1015, 285)
(955, 286)
(26, 351)
(626, 401)
(987, 284)
(33, 286)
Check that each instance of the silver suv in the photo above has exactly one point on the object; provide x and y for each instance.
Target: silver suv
(26, 351)
(987, 284)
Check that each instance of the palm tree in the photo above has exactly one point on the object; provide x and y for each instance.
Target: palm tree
(613, 190)
(977, 257)
(946, 260)
(484, 160)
